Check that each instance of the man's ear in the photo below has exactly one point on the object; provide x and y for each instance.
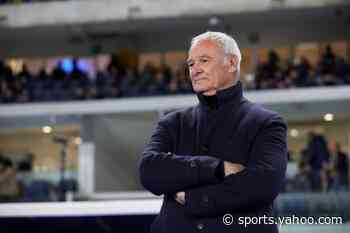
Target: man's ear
(232, 62)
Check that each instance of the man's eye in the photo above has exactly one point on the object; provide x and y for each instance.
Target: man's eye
(190, 64)
(203, 60)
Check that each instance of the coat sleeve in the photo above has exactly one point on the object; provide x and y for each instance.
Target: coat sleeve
(163, 172)
(257, 185)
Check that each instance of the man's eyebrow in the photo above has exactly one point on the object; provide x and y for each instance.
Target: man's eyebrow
(202, 56)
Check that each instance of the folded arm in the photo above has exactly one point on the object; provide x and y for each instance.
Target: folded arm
(256, 185)
(163, 172)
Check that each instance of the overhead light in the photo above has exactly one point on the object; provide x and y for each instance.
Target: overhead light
(294, 133)
(213, 21)
(328, 117)
(77, 140)
(46, 129)
(249, 77)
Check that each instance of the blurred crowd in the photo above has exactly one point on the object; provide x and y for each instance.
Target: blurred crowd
(120, 81)
(322, 167)
(17, 183)
(116, 81)
(330, 70)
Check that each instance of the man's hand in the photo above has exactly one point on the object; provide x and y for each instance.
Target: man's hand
(232, 168)
(180, 197)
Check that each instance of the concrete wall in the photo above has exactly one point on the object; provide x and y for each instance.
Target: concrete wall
(119, 141)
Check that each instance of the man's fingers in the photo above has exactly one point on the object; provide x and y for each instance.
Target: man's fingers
(232, 168)
(179, 201)
(180, 197)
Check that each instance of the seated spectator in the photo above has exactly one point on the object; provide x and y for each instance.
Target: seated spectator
(103, 79)
(7, 95)
(291, 78)
(313, 79)
(145, 78)
(129, 86)
(180, 84)
(302, 70)
(121, 81)
(9, 190)
(329, 79)
(328, 61)
(167, 72)
(342, 70)
(58, 73)
(158, 85)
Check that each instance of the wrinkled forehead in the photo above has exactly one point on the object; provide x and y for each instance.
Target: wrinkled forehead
(205, 47)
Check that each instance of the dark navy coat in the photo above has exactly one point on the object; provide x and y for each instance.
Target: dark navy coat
(186, 153)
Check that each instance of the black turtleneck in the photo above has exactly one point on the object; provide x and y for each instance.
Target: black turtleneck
(213, 110)
(222, 97)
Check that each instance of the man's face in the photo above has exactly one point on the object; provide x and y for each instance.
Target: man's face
(332, 145)
(208, 70)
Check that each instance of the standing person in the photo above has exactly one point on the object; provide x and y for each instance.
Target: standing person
(225, 155)
(339, 167)
(318, 154)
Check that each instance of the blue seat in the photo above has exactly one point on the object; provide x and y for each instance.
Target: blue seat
(37, 191)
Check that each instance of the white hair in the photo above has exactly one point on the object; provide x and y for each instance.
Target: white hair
(226, 42)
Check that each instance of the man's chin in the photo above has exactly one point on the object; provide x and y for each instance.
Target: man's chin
(200, 90)
(204, 91)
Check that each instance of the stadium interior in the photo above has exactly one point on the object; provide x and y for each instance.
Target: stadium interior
(82, 83)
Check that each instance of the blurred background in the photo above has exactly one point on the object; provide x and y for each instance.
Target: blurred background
(82, 83)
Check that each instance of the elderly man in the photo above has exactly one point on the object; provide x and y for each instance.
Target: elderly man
(220, 161)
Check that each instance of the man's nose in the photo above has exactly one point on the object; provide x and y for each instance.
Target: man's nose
(196, 69)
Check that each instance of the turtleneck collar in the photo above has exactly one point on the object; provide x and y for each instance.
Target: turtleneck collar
(222, 97)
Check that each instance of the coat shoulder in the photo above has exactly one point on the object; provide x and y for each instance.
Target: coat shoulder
(259, 115)
(173, 117)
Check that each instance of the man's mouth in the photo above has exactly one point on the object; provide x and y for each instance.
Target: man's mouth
(198, 79)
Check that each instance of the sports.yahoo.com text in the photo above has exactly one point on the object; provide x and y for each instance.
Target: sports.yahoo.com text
(228, 219)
